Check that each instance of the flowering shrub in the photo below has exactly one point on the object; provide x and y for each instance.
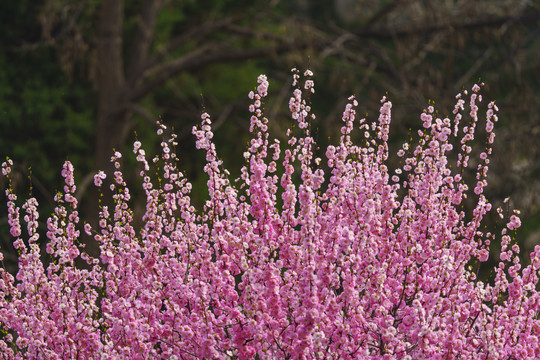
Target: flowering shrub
(302, 260)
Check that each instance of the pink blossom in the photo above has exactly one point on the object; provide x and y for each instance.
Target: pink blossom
(514, 223)
(360, 260)
(99, 177)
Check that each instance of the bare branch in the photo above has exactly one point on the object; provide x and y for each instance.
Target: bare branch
(476, 66)
(393, 34)
(193, 33)
(382, 12)
(212, 54)
(241, 30)
(224, 114)
(84, 184)
(143, 112)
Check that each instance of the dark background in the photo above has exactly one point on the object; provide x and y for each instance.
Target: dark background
(79, 78)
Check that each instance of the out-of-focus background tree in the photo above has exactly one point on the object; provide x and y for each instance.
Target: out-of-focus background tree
(80, 78)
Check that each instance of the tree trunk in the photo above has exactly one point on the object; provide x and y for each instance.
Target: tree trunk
(112, 114)
(110, 121)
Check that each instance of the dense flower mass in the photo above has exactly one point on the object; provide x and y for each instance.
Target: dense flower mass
(302, 259)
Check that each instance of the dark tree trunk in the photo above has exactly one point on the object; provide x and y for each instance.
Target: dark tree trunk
(110, 118)
(112, 114)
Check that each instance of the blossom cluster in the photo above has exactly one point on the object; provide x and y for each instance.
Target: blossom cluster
(302, 259)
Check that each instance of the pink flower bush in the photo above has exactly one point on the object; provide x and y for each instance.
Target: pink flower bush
(303, 259)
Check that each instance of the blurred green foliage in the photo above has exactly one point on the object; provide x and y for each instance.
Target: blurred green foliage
(44, 117)
(48, 94)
